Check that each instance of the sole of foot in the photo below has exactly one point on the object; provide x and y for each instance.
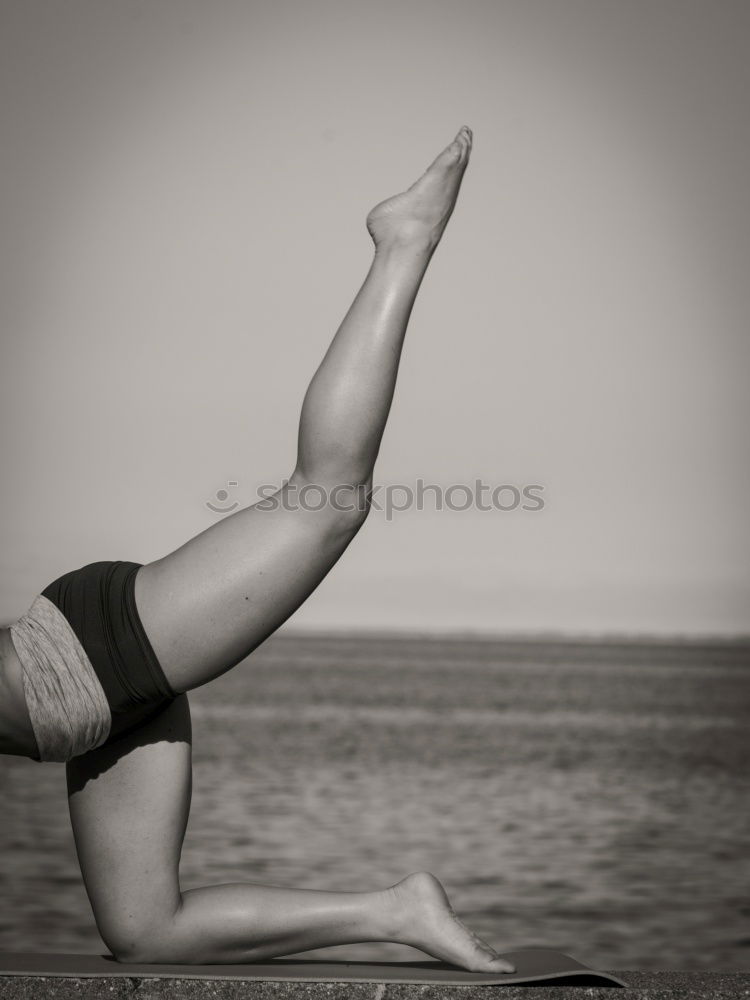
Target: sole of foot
(421, 213)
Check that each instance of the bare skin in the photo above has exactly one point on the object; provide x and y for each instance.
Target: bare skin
(421, 213)
(209, 603)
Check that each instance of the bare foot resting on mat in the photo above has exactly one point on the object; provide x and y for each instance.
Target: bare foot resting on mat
(428, 922)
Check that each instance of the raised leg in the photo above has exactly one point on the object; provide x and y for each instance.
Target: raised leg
(129, 804)
(207, 605)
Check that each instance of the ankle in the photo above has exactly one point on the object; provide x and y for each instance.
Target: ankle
(411, 243)
(392, 918)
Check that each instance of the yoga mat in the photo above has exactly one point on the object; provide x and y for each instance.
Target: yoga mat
(532, 965)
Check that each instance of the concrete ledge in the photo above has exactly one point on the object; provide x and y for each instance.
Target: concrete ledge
(641, 986)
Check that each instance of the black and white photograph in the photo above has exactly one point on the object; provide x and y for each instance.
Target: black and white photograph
(374, 552)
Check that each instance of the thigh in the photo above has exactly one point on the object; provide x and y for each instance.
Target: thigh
(208, 604)
(129, 804)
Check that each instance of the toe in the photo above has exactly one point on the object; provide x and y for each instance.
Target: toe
(502, 966)
(464, 139)
(490, 961)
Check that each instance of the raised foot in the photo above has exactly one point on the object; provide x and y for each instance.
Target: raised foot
(420, 214)
(426, 920)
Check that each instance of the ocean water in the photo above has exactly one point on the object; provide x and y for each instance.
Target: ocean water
(589, 797)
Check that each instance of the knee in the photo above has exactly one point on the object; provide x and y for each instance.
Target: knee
(343, 506)
(131, 953)
(351, 505)
(131, 942)
(142, 949)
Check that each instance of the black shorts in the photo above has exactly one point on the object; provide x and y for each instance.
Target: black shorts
(99, 602)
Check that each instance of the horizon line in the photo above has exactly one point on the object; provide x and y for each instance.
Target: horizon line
(541, 636)
(735, 639)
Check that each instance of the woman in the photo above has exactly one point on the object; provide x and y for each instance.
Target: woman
(96, 672)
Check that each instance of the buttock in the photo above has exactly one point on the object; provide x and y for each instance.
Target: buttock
(98, 600)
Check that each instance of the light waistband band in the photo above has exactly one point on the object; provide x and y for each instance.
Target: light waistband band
(67, 706)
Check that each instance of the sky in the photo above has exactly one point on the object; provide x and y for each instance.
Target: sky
(183, 192)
